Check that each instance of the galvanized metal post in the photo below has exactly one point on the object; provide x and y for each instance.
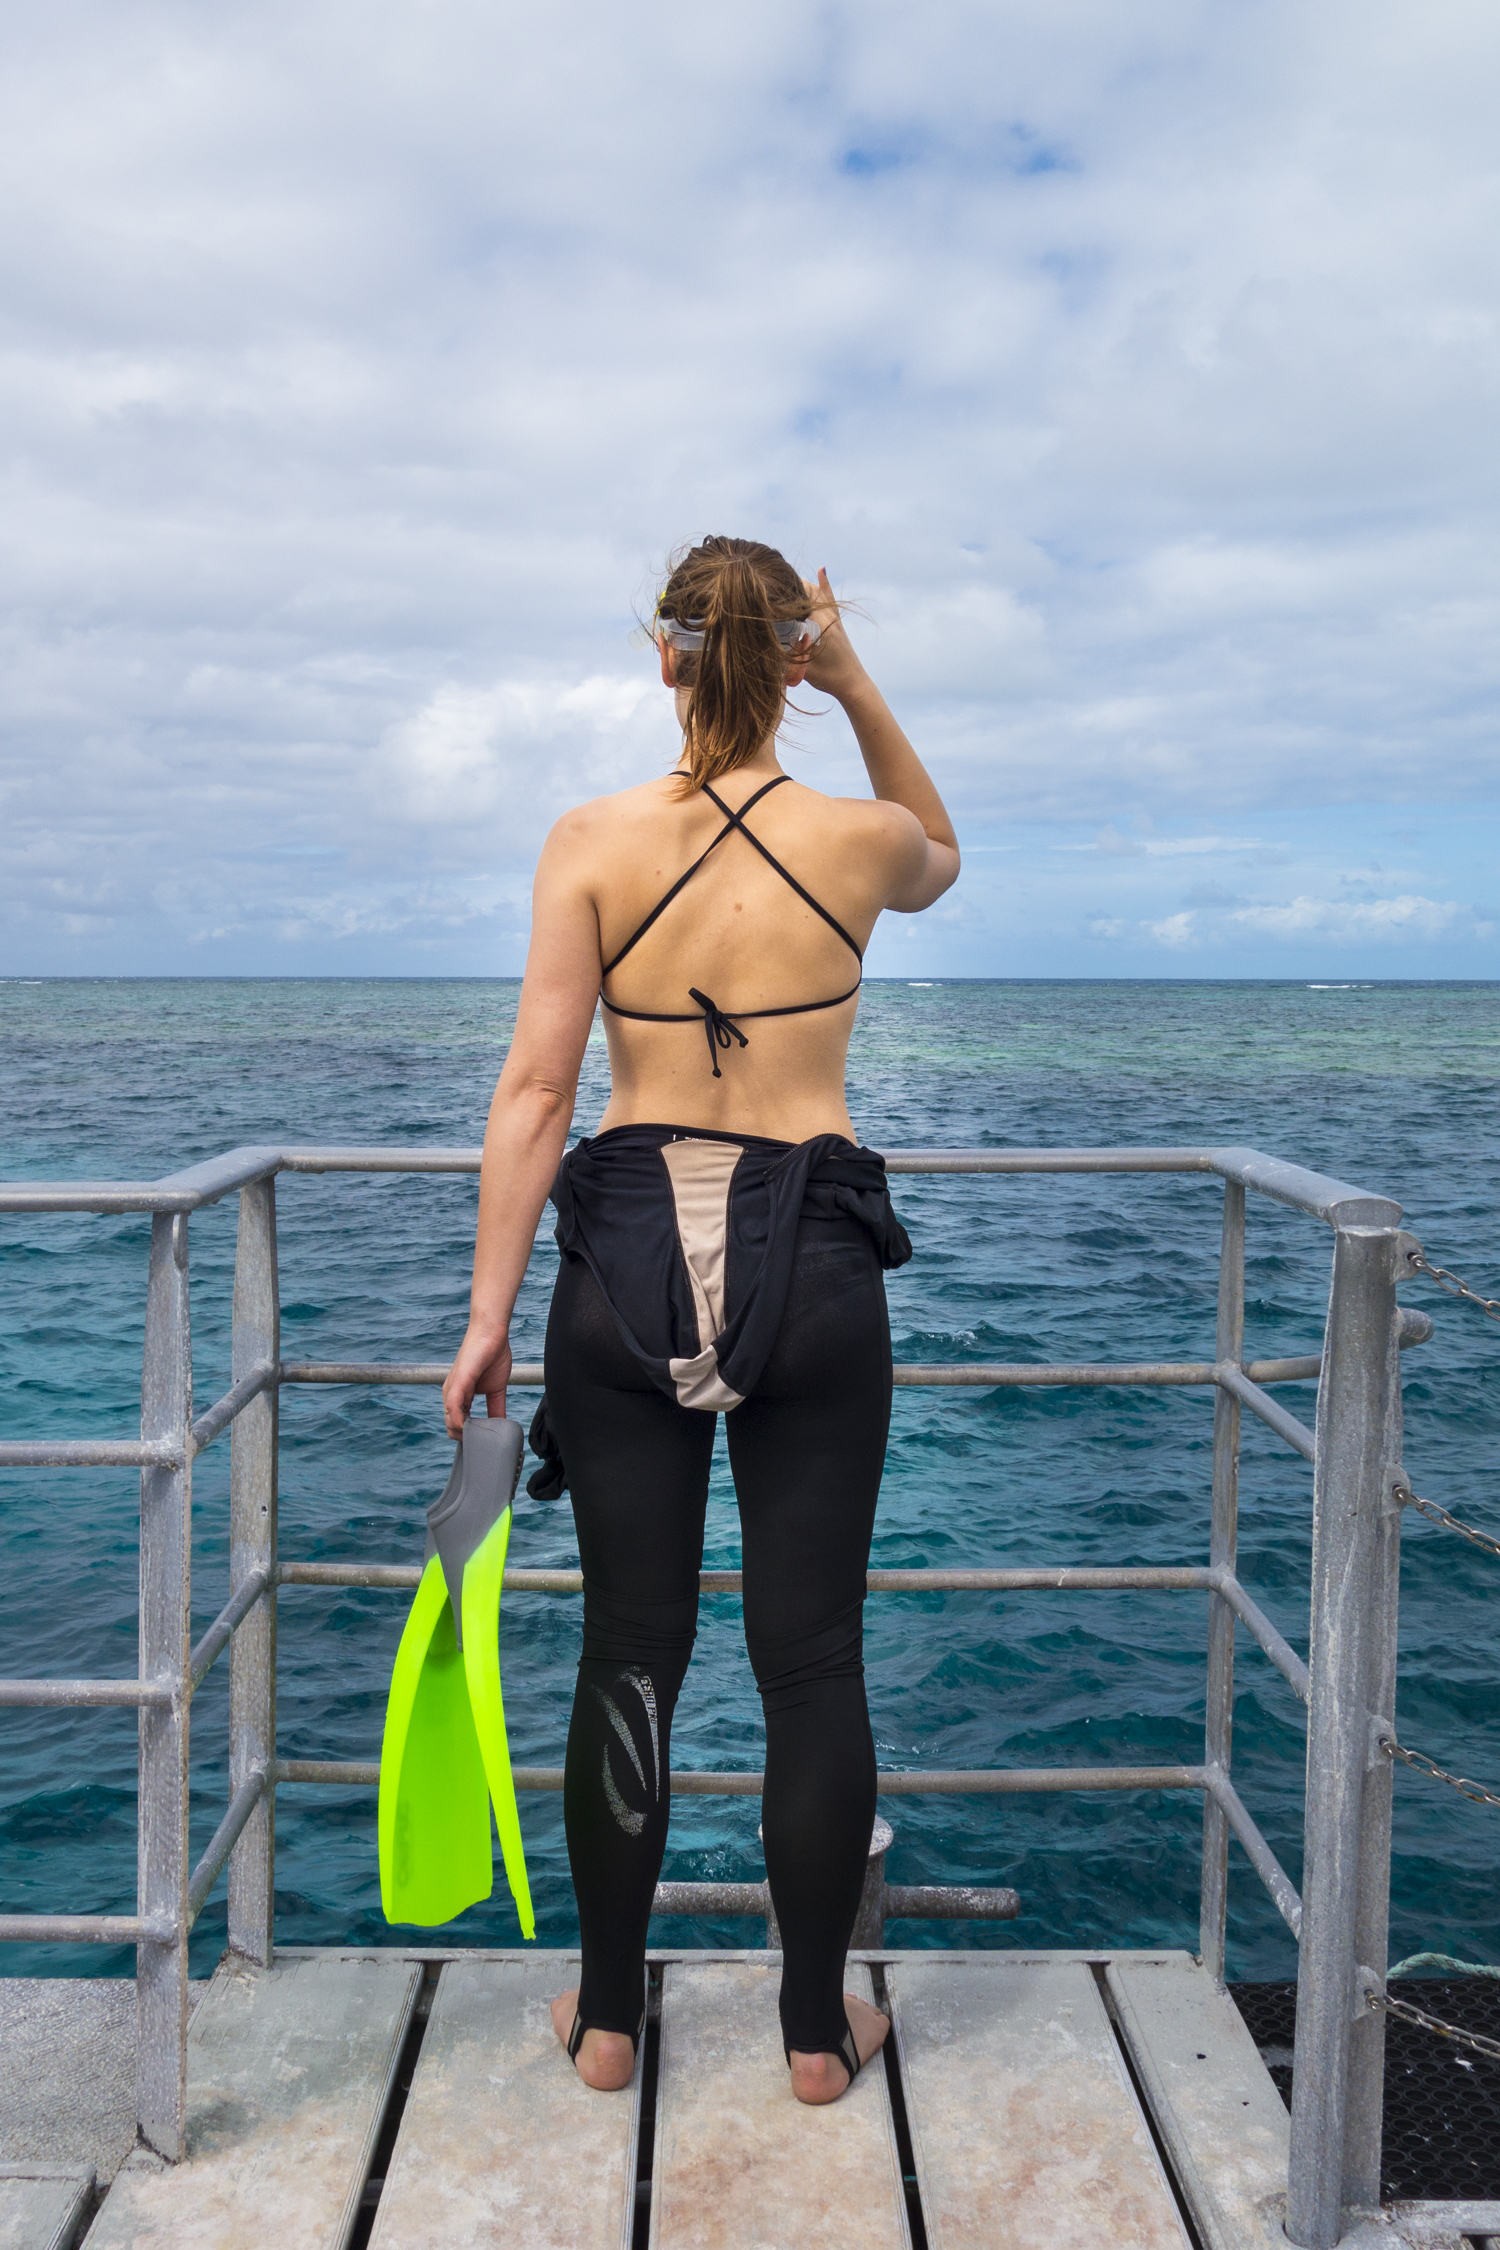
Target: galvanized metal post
(1365, 2100)
(1229, 1344)
(161, 1974)
(252, 1549)
(1350, 1475)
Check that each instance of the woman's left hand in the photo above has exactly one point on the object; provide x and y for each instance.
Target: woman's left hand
(833, 668)
(482, 1366)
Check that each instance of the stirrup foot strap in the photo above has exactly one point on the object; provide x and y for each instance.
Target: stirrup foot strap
(575, 2036)
(846, 2051)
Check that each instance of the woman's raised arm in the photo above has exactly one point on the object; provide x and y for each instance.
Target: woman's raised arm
(897, 774)
(531, 1112)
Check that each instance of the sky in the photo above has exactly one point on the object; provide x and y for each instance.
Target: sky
(1132, 368)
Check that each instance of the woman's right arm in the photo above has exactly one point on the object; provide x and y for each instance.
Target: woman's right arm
(897, 774)
(531, 1112)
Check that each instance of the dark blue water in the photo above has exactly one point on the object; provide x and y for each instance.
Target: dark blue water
(1392, 1086)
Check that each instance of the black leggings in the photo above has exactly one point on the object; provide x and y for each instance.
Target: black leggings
(807, 1449)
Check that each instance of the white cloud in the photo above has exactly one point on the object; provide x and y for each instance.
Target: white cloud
(1346, 919)
(1134, 367)
(1176, 929)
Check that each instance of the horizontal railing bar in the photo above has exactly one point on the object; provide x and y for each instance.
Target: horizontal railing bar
(944, 1902)
(1075, 1577)
(1296, 1434)
(903, 1902)
(86, 1695)
(1001, 1781)
(223, 1175)
(224, 1839)
(224, 1410)
(1022, 1780)
(528, 1374)
(82, 1929)
(336, 1159)
(1012, 1160)
(1334, 1200)
(1267, 1866)
(190, 1190)
(1165, 1577)
(219, 1634)
(89, 1453)
(430, 1371)
(1255, 1621)
(98, 1196)
(337, 1773)
(712, 1898)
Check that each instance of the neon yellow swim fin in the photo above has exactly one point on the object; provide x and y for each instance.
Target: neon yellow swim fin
(445, 1753)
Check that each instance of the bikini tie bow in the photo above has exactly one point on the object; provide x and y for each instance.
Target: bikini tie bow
(717, 1025)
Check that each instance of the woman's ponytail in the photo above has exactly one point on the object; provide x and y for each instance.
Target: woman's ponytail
(735, 593)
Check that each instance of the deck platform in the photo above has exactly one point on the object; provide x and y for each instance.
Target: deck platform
(1066, 2100)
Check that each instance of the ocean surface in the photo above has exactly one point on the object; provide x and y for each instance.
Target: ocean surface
(1390, 1085)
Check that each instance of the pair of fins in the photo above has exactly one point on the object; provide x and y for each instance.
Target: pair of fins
(445, 1759)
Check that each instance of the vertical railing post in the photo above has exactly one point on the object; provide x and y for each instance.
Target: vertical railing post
(252, 1548)
(1350, 1488)
(1366, 2097)
(161, 1976)
(1229, 1344)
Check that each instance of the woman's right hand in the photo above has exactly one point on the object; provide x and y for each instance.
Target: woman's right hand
(481, 1366)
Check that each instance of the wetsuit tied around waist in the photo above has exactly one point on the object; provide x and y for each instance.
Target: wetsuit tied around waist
(719, 1027)
(691, 1237)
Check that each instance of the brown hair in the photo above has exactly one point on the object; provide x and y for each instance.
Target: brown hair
(735, 592)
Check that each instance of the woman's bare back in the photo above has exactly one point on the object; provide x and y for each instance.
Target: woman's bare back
(739, 934)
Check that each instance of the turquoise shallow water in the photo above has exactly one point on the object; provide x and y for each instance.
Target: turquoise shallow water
(1393, 1086)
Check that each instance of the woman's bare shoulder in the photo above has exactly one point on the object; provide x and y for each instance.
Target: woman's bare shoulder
(869, 823)
(600, 820)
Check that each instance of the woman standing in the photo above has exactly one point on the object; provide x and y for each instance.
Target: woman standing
(723, 1239)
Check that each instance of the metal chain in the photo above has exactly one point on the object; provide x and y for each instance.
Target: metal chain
(1435, 1514)
(1455, 1288)
(1418, 1759)
(1410, 2014)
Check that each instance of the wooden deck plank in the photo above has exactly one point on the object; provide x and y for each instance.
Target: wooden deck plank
(740, 2164)
(1224, 2124)
(288, 2073)
(501, 2142)
(41, 2208)
(1025, 2128)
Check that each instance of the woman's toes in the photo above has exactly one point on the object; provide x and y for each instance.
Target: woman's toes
(564, 2010)
(868, 2025)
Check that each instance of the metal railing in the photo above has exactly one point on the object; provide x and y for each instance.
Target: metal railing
(1348, 1683)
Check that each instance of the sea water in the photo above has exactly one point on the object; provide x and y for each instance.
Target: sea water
(1392, 1086)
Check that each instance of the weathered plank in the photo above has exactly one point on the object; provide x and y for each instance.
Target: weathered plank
(67, 2087)
(288, 2073)
(1224, 2124)
(1025, 2127)
(501, 2141)
(42, 2208)
(740, 2164)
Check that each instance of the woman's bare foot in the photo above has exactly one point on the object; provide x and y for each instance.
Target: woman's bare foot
(605, 2059)
(822, 2078)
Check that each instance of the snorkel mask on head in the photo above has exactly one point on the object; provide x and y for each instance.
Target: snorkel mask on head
(797, 635)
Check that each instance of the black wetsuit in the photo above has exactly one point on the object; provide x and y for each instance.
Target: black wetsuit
(704, 1271)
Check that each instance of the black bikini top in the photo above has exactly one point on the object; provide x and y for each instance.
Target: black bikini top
(718, 1026)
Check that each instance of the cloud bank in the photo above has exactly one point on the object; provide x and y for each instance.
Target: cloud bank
(1134, 369)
